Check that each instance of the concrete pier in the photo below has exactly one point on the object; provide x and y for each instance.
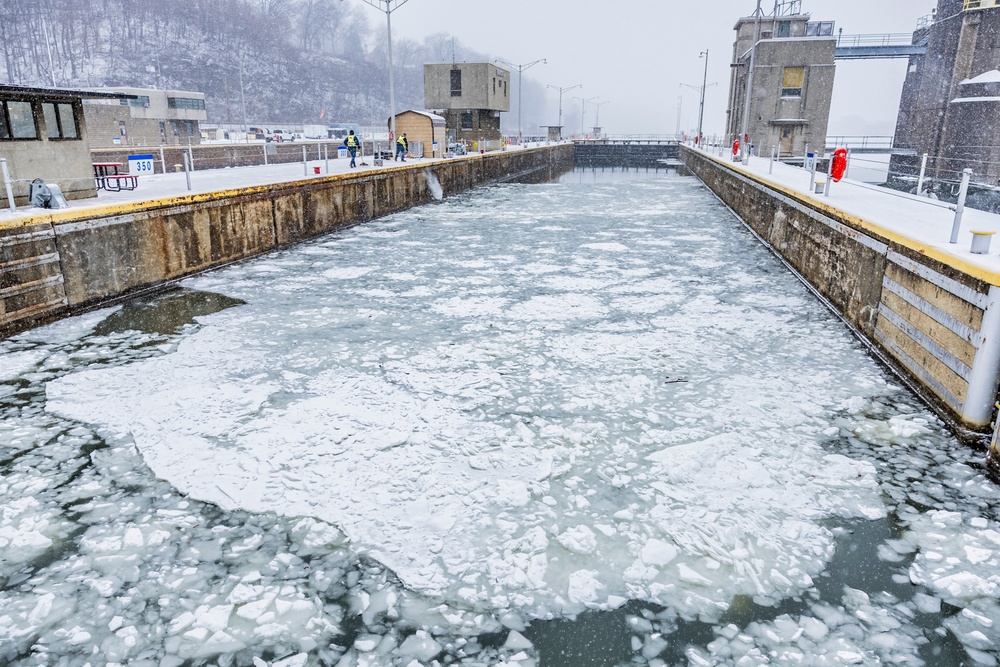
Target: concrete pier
(59, 262)
(934, 317)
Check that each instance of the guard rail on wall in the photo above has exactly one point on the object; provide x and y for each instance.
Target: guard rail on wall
(887, 39)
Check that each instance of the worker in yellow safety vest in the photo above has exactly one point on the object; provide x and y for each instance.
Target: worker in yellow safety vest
(401, 147)
(352, 147)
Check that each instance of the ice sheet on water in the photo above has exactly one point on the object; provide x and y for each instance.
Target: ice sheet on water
(486, 469)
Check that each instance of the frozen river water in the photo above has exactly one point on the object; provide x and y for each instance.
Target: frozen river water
(590, 422)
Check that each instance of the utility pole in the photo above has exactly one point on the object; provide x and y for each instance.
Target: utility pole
(390, 7)
(583, 111)
(753, 60)
(520, 88)
(561, 91)
(680, 106)
(597, 116)
(704, 85)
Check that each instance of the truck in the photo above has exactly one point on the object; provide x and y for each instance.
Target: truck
(314, 132)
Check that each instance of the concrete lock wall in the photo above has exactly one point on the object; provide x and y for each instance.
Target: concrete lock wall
(935, 319)
(65, 261)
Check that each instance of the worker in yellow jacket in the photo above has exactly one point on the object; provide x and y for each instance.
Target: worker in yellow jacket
(401, 147)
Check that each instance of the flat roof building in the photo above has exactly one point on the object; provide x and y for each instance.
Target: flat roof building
(793, 77)
(43, 135)
(470, 96)
(154, 117)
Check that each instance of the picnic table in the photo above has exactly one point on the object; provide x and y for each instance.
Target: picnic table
(108, 178)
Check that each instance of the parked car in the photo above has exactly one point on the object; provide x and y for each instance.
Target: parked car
(279, 136)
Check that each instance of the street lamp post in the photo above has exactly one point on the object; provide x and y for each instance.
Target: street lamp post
(561, 91)
(520, 88)
(390, 7)
(749, 90)
(583, 111)
(704, 84)
(597, 118)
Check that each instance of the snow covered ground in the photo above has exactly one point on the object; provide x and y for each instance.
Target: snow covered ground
(159, 186)
(928, 223)
(436, 438)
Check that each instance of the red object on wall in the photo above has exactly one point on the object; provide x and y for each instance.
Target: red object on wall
(839, 165)
(736, 147)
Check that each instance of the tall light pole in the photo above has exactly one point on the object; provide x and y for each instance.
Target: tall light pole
(561, 91)
(583, 111)
(520, 88)
(390, 7)
(746, 103)
(597, 118)
(704, 85)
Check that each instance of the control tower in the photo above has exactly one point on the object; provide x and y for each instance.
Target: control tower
(951, 96)
(793, 72)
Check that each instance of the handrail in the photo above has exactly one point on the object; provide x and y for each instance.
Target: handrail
(886, 39)
(980, 4)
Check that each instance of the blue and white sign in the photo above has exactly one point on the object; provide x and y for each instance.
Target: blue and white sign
(140, 164)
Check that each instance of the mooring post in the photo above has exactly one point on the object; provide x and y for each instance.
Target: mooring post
(190, 155)
(923, 172)
(812, 178)
(770, 169)
(960, 207)
(305, 162)
(163, 160)
(187, 168)
(829, 177)
(7, 185)
(326, 156)
(847, 167)
(265, 153)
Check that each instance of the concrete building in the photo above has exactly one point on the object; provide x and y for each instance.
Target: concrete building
(470, 96)
(43, 135)
(423, 129)
(793, 77)
(951, 96)
(154, 117)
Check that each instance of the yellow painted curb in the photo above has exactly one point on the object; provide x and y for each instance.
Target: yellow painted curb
(957, 263)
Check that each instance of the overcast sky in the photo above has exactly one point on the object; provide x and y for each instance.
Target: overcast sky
(636, 53)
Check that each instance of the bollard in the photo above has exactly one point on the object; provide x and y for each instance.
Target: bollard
(847, 167)
(812, 178)
(960, 208)
(190, 155)
(829, 177)
(187, 168)
(305, 163)
(7, 185)
(163, 160)
(326, 156)
(923, 171)
(770, 170)
(265, 153)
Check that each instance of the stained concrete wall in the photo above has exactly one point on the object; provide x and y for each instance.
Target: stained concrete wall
(933, 318)
(65, 261)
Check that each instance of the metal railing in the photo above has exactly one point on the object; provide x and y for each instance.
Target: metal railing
(637, 138)
(887, 39)
(859, 142)
(980, 4)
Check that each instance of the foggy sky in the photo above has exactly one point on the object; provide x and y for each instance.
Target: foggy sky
(636, 53)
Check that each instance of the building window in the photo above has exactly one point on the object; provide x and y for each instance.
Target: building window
(784, 28)
(456, 83)
(17, 121)
(186, 103)
(766, 34)
(141, 101)
(466, 120)
(494, 85)
(819, 29)
(60, 121)
(791, 81)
